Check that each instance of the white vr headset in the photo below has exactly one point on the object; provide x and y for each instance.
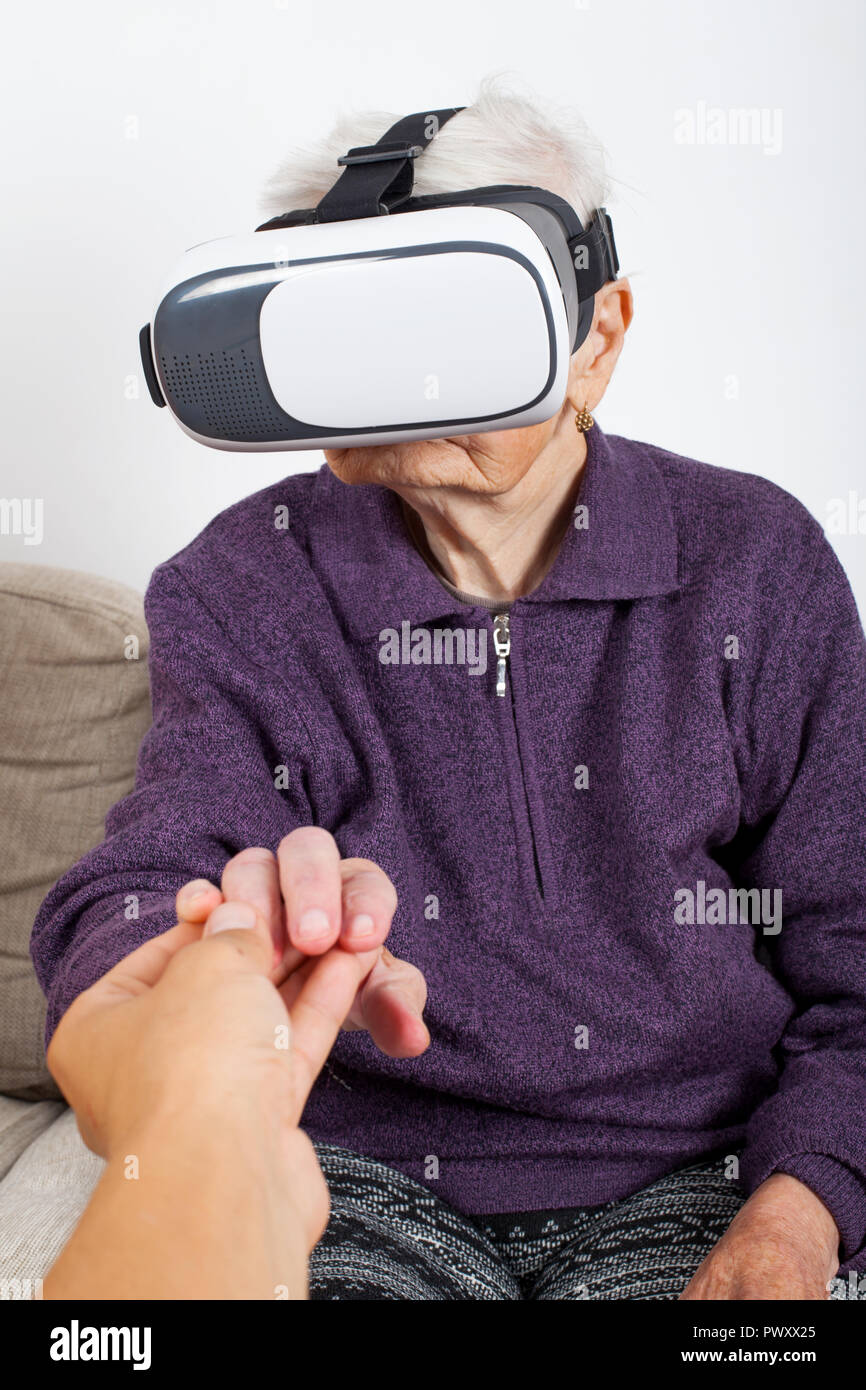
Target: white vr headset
(378, 316)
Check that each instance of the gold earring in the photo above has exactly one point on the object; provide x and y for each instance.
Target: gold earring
(583, 420)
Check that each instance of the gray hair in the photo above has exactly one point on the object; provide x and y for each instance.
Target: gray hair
(503, 137)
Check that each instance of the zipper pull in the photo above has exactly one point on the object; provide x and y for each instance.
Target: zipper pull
(502, 647)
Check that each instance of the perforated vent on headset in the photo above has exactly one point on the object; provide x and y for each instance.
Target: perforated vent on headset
(224, 391)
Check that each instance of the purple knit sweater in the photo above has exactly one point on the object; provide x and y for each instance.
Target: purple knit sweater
(684, 714)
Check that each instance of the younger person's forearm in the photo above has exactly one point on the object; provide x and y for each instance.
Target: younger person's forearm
(186, 1219)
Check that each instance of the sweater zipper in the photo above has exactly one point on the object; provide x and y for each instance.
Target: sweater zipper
(514, 759)
(502, 647)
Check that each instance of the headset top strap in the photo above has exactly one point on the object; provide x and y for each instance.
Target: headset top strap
(377, 178)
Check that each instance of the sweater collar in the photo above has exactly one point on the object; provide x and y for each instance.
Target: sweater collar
(623, 545)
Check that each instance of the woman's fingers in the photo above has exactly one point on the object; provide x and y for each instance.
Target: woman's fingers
(311, 884)
(251, 877)
(391, 1006)
(308, 895)
(369, 903)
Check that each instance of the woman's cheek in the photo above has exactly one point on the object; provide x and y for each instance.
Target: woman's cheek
(513, 451)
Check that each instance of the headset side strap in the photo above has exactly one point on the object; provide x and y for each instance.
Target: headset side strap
(593, 254)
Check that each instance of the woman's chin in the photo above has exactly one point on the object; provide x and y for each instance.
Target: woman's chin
(414, 463)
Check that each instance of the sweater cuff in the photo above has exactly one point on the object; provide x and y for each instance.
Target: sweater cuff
(840, 1189)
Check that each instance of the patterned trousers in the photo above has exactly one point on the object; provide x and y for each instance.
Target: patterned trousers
(391, 1238)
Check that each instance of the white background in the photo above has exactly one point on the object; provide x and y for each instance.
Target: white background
(748, 267)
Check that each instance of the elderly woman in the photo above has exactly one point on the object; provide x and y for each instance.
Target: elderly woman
(626, 856)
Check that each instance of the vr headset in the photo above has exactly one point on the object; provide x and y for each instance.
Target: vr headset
(377, 316)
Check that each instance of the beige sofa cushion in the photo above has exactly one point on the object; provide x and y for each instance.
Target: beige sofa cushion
(74, 706)
(21, 1121)
(42, 1198)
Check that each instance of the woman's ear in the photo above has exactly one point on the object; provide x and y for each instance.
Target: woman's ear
(593, 363)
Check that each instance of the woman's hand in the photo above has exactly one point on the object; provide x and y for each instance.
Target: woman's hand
(783, 1243)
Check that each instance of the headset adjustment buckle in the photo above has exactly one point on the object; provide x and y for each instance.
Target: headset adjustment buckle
(373, 154)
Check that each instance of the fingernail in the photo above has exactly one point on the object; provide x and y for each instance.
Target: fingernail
(190, 894)
(230, 917)
(362, 925)
(312, 924)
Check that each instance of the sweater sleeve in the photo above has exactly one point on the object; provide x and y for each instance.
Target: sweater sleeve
(206, 787)
(804, 834)
(841, 1191)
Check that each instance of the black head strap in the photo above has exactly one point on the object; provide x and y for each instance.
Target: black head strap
(377, 178)
(593, 253)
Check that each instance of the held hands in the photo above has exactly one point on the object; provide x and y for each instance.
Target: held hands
(311, 900)
(783, 1243)
(222, 1024)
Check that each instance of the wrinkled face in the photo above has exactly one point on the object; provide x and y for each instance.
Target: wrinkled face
(487, 463)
